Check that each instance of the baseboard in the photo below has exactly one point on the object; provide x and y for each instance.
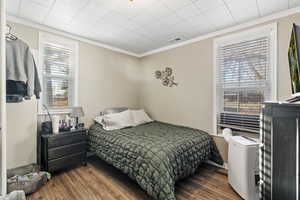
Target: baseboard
(224, 166)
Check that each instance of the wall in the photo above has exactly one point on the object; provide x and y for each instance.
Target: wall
(106, 79)
(191, 103)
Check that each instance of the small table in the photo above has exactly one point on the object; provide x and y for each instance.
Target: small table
(63, 150)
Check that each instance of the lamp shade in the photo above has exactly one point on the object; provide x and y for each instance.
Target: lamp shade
(77, 112)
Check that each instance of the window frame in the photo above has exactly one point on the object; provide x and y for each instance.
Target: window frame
(270, 31)
(61, 41)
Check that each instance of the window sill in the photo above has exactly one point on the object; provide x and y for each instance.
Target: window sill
(217, 135)
(63, 112)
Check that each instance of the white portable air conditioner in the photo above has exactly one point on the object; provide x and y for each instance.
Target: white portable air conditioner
(243, 167)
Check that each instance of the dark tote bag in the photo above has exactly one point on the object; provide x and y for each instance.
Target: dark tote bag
(47, 125)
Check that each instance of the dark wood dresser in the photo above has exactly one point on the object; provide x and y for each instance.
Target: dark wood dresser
(279, 151)
(63, 150)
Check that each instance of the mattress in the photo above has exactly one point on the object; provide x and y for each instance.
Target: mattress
(155, 154)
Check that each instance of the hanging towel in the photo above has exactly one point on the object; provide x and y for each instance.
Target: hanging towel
(15, 91)
(20, 66)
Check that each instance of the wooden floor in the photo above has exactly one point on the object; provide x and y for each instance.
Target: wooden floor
(99, 181)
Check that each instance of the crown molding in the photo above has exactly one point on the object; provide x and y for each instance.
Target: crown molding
(238, 27)
(45, 28)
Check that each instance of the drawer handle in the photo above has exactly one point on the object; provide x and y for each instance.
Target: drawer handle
(261, 182)
(261, 145)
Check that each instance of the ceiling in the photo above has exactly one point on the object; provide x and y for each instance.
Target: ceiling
(143, 25)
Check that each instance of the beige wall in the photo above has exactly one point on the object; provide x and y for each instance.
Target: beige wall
(106, 79)
(191, 103)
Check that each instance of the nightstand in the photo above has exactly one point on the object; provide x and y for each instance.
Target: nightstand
(63, 150)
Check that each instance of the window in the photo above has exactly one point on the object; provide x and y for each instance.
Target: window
(58, 69)
(245, 78)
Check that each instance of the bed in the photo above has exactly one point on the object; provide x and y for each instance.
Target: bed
(154, 154)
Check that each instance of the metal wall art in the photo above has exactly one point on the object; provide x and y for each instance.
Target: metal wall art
(167, 77)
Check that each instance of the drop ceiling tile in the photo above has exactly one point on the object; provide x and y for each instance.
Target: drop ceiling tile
(165, 35)
(131, 37)
(56, 23)
(188, 11)
(171, 20)
(183, 26)
(82, 20)
(176, 4)
(141, 4)
(92, 12)
(294, 3)
(106, 27)
(157, 37)
(159, 9)
(133, 6)
(201, 24)
(99, 36)
(141, 31)
(33, 11)
(115, 18)
(128, 35)
(65, 10)
(243, 10)
(154, 27)
(144, 18)
(219, 17)
(153, 35)
(43, 2)
(267, 7)
(188, 31)
(84, 29)
(126, 8)
(205, 5)
(142, 43)
(12, 6)
(130, 25)
(191, 35)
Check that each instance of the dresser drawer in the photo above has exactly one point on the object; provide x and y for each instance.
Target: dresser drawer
(66, 150)
(66, 161)
(66, 139)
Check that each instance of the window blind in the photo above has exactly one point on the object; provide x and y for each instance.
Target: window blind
(243, 82)
(58, 76)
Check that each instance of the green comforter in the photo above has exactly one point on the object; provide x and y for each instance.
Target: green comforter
(155, 154)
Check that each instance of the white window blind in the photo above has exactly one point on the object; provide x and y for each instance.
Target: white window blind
(59, 72)
(244, 78)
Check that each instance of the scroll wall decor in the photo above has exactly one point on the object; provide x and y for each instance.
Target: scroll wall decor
(167, 77)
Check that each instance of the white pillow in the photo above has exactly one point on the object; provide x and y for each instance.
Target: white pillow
(117, 120)
(99, 119)
(140, 117)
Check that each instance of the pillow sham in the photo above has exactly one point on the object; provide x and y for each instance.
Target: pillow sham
(113, 110)
(140, 117)
(99, 120)
(117, 120)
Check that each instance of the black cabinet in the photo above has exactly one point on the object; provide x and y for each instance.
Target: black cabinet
(63, 150)
(279, 152)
